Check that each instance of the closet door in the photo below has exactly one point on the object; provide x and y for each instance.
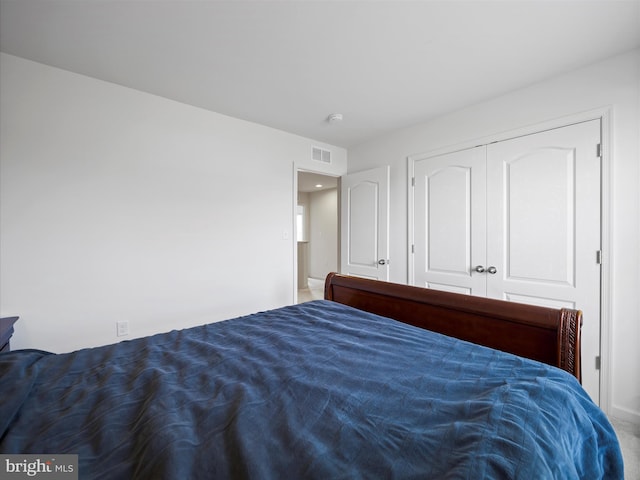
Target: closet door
(449, 222)
(517, 220)
(543, 227)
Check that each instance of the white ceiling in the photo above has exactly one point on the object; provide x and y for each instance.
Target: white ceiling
(308, 182)
(289, 64)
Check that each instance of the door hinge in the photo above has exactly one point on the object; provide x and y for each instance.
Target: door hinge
(599, 257)
(598, 362)
(599, 150)
(413, 181)
(413, 249)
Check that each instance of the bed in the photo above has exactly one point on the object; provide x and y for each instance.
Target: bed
(370, 382)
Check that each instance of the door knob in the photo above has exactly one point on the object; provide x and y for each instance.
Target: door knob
(492, 270)
(382, 261)
(479, 269)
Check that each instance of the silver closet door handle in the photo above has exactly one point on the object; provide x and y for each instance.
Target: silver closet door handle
(479, 269)
(492, 270)
(382, 261)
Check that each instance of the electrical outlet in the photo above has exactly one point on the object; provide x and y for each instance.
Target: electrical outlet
(122, 328)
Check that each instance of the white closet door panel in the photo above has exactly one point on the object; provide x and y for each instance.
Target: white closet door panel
(449, 204)
(539, 228)
(543, 224)
(541, 301)
(449, 227)
(448, 288)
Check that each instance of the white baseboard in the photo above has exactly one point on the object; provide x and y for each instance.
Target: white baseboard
(625, 414)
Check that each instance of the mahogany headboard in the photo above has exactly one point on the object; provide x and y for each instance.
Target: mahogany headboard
(545, 334)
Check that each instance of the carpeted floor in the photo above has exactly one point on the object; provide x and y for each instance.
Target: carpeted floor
(629, 437)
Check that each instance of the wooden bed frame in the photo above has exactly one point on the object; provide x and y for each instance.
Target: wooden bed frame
(545, 334)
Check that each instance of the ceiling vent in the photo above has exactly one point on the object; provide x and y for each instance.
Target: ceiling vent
(321, 155)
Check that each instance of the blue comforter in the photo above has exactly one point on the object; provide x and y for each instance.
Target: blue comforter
(317, 390)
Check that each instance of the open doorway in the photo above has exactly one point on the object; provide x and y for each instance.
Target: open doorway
(317, 232)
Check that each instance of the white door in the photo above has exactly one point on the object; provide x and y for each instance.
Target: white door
(450, 223)
(364, 200)
(543, 227)
(537, 217)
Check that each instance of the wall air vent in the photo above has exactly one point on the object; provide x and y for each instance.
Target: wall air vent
(321, 155)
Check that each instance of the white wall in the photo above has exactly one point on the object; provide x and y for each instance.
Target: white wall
(613, 84)
(323, 233)
(120, 205)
